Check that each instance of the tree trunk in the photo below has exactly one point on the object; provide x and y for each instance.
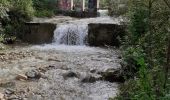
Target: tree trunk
(167, 66)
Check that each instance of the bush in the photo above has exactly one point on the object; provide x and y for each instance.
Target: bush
(130, 65)
(45, 8)
(145, 52)
(4, 4)
(44, 13)
(117, 7)
(24, 8)
(20, 11)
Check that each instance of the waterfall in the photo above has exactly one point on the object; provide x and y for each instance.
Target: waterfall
(75, 32)
(71, 34)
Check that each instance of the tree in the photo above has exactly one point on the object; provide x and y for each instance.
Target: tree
(3, 8)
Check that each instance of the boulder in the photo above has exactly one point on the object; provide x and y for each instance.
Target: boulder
(14, 97)
(92, 70)
(9, 91)
(7, 84)
(33, 74)
(69, 74)
(89, 79)
(21, 77)
(2, 96)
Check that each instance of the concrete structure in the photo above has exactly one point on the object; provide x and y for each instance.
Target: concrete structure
(39, 33)
(65, 4)
(78, 4)
(105, 34)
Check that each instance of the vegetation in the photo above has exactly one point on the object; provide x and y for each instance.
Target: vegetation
(45, 8)
(15, 15)
(146, 51)
(115, 7)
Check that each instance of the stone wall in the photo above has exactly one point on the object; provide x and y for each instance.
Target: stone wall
(105, 34)
(38, 33)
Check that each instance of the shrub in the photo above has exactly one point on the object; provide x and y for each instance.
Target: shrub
(4, 4)
(45, 8)
(20, 11)
(145, 49)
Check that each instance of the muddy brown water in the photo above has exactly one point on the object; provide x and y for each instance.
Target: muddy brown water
(57, 61)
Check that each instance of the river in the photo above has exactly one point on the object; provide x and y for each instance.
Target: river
(69, 70)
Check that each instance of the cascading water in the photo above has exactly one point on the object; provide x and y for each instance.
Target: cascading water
(71, 34)
(75, 32)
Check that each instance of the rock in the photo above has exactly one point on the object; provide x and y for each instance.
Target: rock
(21, 77)
(69, 75)
(43, 70)
(119, 57)
(2, 54)
(43, 75)
(50, 67)
(92, 70)
(33, 74)
(9, 91)
(7, 84)
(112, 75)
(13, 97)
(89, 79)
(2, 96)
(54, 59)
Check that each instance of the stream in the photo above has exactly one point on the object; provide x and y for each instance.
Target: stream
(67, 69)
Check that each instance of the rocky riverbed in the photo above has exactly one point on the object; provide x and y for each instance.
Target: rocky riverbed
(50, 72)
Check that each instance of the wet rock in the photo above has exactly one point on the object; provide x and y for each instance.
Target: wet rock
(92, 70)
(119, 57)
(70, 74)
(50, 67)
(89, 79)
(14, 97)
(33, 74)
(9, 91)
(43, 70)
(112, 75)
(43, 76)
(7, 84)
(21, 77)
(2, 96)
(2, 54)
(54, 59)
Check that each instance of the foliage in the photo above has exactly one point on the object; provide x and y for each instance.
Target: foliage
(3, 8)
(130, 65)
(45, 8)
(44, 13)
(116, 7)
(145, 51)
(24, 8)
(19, 12)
